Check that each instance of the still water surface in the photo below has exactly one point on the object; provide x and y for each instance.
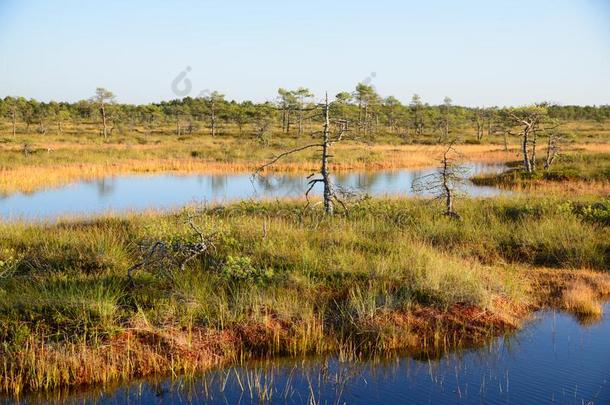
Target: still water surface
(165, 191)
(553, 360)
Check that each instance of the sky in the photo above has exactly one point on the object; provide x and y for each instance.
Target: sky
(478, 52)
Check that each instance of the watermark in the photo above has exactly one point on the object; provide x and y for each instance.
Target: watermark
(182, 86)
(369, 80)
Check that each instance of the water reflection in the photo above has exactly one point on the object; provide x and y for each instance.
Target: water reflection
(123, 193)
(554, 360)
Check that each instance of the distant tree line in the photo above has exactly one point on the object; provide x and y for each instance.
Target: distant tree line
(364, 109)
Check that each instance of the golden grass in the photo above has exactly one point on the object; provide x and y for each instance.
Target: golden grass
(30, 178)
(580, 299)
(564, 188)
(578, 291)
(137, 352)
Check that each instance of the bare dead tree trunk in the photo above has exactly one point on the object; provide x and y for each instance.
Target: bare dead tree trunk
(445, 181)
(552, 151)
(448, 190)
(533, 156)
(323, 145)
(527, 166)
(328, 193)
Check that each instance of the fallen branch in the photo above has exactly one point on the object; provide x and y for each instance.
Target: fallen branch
(163, 255)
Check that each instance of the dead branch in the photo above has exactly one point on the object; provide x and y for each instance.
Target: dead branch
(284, 154)
(164, 256)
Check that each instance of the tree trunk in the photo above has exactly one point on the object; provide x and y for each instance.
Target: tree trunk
(328, 193)
(14, 123)
(448, 195)
(550, 153)
(366, 119)
(105, 127)
(284, 119)
(527, 166)
(213, 119)
(300, 120)
(533, 157)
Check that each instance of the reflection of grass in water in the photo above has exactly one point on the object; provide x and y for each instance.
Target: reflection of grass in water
(393, 274)
(60, 161)
(323, 379)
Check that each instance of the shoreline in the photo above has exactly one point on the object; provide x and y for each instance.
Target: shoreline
(384, 278)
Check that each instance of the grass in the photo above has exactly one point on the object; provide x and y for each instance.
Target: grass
(572, 173)
(80, 153)
(58, 162)
(393, 274)
(580, 299)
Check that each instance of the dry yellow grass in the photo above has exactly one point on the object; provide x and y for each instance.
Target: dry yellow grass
(565, 188)
(579, 291)
(580, 299)
(30, 178)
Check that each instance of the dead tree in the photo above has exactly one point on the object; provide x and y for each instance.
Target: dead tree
(532, 121)
(529, 119)
(552, 149)
(165, 256)
(445, 182)
(328, 138)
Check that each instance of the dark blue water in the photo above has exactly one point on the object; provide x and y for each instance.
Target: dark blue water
(554, 360)
(166, 191)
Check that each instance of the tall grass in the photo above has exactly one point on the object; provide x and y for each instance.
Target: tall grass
(392, 274)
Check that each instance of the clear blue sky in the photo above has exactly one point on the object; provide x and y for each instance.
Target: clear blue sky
(500, 52)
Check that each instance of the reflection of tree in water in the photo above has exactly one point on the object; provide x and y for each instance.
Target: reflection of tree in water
(289, 185)
(105, 187)
(365, 182)
(218, 182)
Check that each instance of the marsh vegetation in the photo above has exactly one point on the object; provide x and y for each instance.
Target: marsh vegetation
(113, 297)
(393, 274)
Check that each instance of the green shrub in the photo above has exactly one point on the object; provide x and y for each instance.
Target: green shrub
(241, 269)
(597, 213)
